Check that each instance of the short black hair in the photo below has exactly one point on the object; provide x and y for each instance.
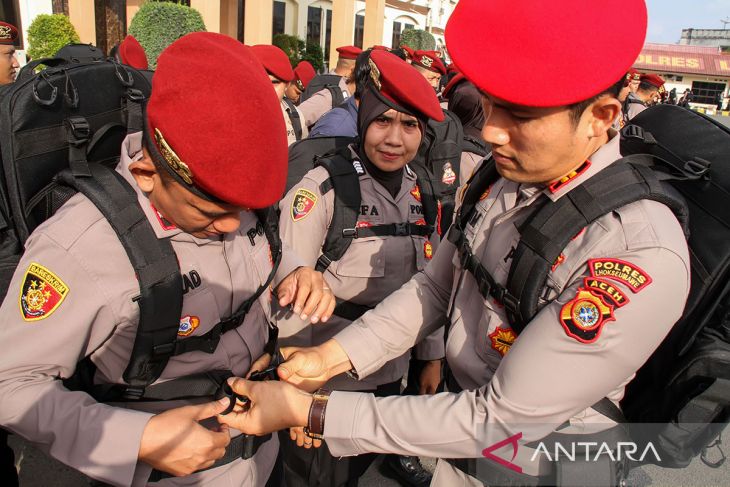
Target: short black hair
(646, 86)
(577, 109)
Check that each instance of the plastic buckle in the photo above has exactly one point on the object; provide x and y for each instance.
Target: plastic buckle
(697, 166)
(633, 132)
(511, 303)
(164, 349)
(401, 229)
(349, 233)
(80, 129)
(133, 393)
(226, 391)
(135, 95)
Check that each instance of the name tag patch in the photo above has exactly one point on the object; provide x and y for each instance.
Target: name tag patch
(621, 271)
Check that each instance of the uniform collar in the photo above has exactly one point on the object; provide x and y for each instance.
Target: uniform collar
(408, 175)
(606, 155)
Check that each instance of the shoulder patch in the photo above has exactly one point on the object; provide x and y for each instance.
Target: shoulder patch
(502, 340)
(620, 270)
(303, 202)
(584, 316)
(41, 294)
(188, 324)
(606, 290)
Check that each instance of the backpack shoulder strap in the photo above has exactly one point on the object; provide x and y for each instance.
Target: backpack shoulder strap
(477, 146)
(551, 226)
(336, 93)
(344, 179)
(155, 265)
(296, 121)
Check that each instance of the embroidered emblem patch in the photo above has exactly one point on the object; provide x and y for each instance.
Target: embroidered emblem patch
(188, 324)
(600, 287)
(302, 204)
(362, 224)
(621, 271)
(420, 222)
(584, 316)
(449, 175)
(416, 193)
(41, 294)
(502, 340)
(558, 261)
(428, 250)
(486, 193)
(559, 184)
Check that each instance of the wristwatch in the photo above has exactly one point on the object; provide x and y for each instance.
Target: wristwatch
(315, 423)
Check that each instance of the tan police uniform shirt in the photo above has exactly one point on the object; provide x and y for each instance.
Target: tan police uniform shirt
(321, 102)
(76, 260)
(635, 108)
(291, 135)
(370, 269)
(469, 162)
(533, 384)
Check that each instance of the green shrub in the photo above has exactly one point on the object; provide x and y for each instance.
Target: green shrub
(158, 24)
(291, 45)
(49, 33)
(418, 39)
(314, 54)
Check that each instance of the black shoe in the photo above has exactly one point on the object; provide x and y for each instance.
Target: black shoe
(408, 471)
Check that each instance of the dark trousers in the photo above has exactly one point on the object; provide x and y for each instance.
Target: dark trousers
(316, 467)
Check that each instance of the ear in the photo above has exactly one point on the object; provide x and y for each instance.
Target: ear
(144, 172)
(602, 114)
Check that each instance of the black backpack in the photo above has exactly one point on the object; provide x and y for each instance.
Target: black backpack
(304, 154)
(679, 158)
(438, 162)
(321, 82)
(80, 53)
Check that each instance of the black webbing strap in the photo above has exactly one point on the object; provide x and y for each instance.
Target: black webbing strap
(346, 184)
(241, 446)
(78, 134)
(296, 121)
(337, 97)
(206, 384)
(404, 229)
(552, 225)
(349, 310)
(155, 265)
(428, 194)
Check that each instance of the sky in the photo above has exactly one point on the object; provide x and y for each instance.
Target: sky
(667, 18)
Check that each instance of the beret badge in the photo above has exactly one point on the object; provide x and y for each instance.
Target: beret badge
(427, 61)
(172, 159)
(375, 74)
(6, 33)
(299, 85)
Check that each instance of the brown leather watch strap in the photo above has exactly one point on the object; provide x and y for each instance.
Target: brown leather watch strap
(315, 423)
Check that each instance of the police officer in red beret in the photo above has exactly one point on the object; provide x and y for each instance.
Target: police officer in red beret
(8, 61)
(429, 64)
(206, 159)
(303, 74)
(550, 131)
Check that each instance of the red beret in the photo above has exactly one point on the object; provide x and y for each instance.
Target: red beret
(216, 143)
(397, 81)
(275, 61)
(451, 68)
(429, 60)
(380, 48)
(303, 74)
(528, 53)
(409, 52)
(8, 34)
(458, 78)
(653, 80)
(349, 52)
(132, 53)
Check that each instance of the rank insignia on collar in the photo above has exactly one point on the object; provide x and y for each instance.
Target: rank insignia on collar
(485, 194)
(416, 193)
(188, 324)
(584, 316)
(303, 202)
(560, 184)
(620, 270)
(502, 340)
(428, 250)
(41, 294)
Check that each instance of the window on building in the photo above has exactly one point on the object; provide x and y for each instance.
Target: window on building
(395, 41)
(279, 18)
(60, 7)
(359, 30)
(706, 92)
(10, 13)
(328, 34)
(314, 25)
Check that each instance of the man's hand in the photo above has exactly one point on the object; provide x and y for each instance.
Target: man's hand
(310, 368)
(176, 443)
(307, 291)
(297, 434)
(430, 377)
(273, 406)
(259, 364)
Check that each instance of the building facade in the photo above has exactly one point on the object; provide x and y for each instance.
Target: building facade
(706, 37)
(329, 23)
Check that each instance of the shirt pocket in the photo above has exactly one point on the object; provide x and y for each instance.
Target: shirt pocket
(199, 314)
(362, 259)
(488, 339)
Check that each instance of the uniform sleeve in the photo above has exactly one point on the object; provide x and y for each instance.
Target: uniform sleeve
(432, 347)
(40, 344)
(404, 318)
(315, 106)
(547, 377)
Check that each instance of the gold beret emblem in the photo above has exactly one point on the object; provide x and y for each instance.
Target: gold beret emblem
(5, 32)
(172, 159)
(426, 61)
(375, 74)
